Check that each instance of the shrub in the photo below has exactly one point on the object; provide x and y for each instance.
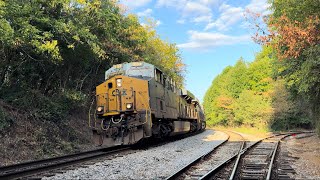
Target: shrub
(5, 120)
(53, 108)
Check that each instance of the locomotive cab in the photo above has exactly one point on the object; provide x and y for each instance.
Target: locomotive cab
(122, 109)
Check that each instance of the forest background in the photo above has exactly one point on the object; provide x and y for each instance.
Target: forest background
(279, 90)
(54, 53)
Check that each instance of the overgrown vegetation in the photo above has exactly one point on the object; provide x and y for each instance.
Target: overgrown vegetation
(5, 120)
(282, 89)
(54, 53)
(241, 94)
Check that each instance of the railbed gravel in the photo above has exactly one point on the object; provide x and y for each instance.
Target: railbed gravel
(153, 163)
(220, 155)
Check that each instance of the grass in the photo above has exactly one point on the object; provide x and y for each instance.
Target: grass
(245, 130)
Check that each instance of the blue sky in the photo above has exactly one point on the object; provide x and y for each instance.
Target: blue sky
(211, 34)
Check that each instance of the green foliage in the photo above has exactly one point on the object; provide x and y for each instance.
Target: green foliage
(281, 89)
(254, 96)
(259, 71)
(237, 78)
(161, 53)
(240, 95)
(52, 56)
(296, 10)
(41, 107)
(57, 51)
(53, 46)
(5, 120)
(300, 72)
(252, 109)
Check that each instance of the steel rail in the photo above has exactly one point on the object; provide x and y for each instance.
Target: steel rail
(235, 167)
(274, 155)
(217, 168)
(35, 167)
(213, 171)
(39, 166)
(272, 160)
(232, 176)
(180, 171)
(238, 156)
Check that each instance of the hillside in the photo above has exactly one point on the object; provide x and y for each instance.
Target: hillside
(53, 55)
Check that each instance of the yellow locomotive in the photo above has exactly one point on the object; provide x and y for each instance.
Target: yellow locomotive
(138, 101)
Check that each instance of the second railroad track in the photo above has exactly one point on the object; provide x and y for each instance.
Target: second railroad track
(35, 167)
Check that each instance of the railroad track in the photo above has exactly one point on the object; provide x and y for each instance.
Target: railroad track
(248, 161)
(204, 163)
(282, 168)
(253, 162)
(57, 164)
(256, 161)
(35, 167)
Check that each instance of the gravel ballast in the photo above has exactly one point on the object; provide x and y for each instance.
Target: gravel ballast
(154, 163)
(220, 155)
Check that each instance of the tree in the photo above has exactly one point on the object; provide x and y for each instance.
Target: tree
(289, 112)
(253, 110)
(296, 41)
(293, 33)
(63, 47)
(58, 45)
(241, 94)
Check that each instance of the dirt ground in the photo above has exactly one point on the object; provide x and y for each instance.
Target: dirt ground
(29, 139)
(307, 150)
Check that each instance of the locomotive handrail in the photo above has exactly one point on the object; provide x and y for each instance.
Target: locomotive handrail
(89, 114)
(147, 108)
(102, 125)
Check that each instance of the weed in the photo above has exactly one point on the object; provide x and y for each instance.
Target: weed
(5, 120)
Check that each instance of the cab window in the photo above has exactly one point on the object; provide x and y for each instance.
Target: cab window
(159, 76)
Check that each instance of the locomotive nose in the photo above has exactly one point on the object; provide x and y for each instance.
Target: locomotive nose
(120, 95)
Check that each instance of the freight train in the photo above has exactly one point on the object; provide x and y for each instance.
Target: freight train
(137, 101)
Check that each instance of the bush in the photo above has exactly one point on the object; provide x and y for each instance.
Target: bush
(53, 108)
(291, 121)
(5, 120)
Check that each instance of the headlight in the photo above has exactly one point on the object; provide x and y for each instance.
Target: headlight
(119, 82)
(100, 109)
(129, 105)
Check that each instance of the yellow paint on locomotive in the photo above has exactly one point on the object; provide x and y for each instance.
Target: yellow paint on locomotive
(131, 108)
(116, 93)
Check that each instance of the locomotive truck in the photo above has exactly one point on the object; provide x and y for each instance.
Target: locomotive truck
(137, 101)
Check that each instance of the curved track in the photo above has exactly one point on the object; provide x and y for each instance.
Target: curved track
(256, 161)
(35, 167)
(253, 162)
(203, 163)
